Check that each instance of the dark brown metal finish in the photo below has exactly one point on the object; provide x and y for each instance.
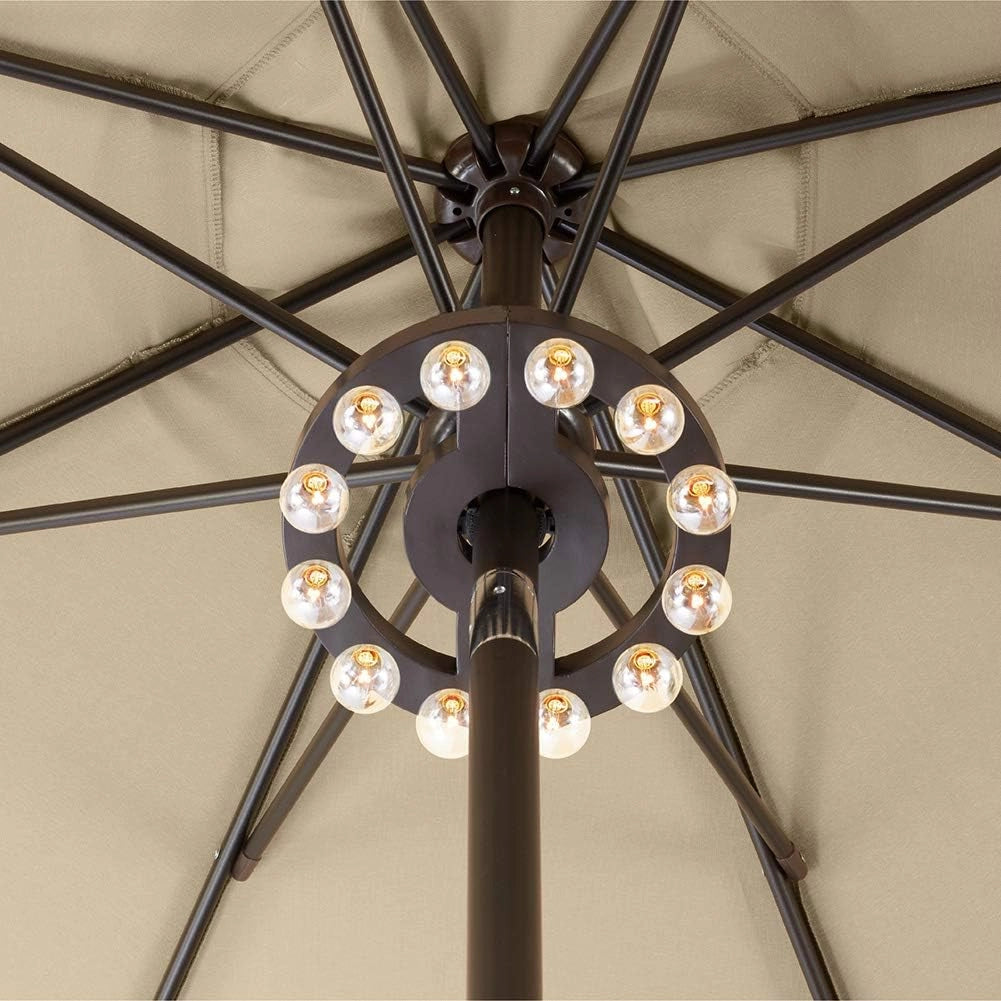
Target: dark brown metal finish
(378, 510)
(255, 307)
(292, 788)
(510, 187)
(504, 913)
(628, 127)
(138, 505)
(705, 290)
(313, 756)
(550, 279)
(512, 257)
(632, 500)
(747, 797)
(216, 116)
(573, 87)
(474, 461)
(784, 890)
(872, 116)
(504, 921)
(610, 601)
(70, 406)
(814, 486)
(194, 497)
(253, 798)
(828, 262)
(752, 805)
(455, 85)
(363, 83)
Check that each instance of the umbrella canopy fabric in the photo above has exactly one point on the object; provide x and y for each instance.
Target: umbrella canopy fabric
(144, 659)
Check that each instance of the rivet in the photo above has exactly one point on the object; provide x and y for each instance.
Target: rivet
(514, 189)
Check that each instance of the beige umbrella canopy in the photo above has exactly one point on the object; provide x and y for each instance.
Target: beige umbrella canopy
(145, 659)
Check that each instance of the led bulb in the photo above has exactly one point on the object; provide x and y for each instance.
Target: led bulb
(364, 678)
(697, 600)
(559, 373)
(316, 594)
(314, 498)
(443, 723)
(701, 500)
(368, 420)
(649, 419)
(455, 375)
(564, 723)
(647, 678)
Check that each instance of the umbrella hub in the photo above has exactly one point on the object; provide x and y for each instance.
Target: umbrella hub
(516, 183)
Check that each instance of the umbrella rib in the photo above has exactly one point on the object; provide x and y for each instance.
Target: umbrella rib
(626, 131)
(255, 307)
(480, 134)
(386, 143)
(814, 486)
(471, 293)
(633, 502)
(378, 509)
(313, 756)
(872, 116)
(609, 600)
(186, 109)
(703, 289)
(70, 406)
(544, 138)
(828, 262)
(189, 498)
(550, 279)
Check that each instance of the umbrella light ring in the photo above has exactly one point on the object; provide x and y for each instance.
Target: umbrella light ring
(470, 462)
(714, 732)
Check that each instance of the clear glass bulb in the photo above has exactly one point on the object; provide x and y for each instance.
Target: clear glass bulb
(316, 594)
(697, 600)
(649, 419)
(314, 498)
(368, 420)
(559, 373)
(564, 723)
(364, 678)
(647, 678)
(443, 723)
(701, 500)
(455, 375)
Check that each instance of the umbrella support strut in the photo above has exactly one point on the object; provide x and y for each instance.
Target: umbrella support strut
(755, 811)
(313, 756)
(784, 890)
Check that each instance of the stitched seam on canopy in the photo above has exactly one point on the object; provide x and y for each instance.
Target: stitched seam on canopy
(731, 37)
(245, 349)
(289, 34)
(806, 170)
(215, 307)
(274, 375)
(286, 36)
(893, 95)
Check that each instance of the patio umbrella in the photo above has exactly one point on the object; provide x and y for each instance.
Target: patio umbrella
(805, 220)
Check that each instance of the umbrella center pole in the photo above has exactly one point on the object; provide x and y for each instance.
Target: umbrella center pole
(504, 921)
